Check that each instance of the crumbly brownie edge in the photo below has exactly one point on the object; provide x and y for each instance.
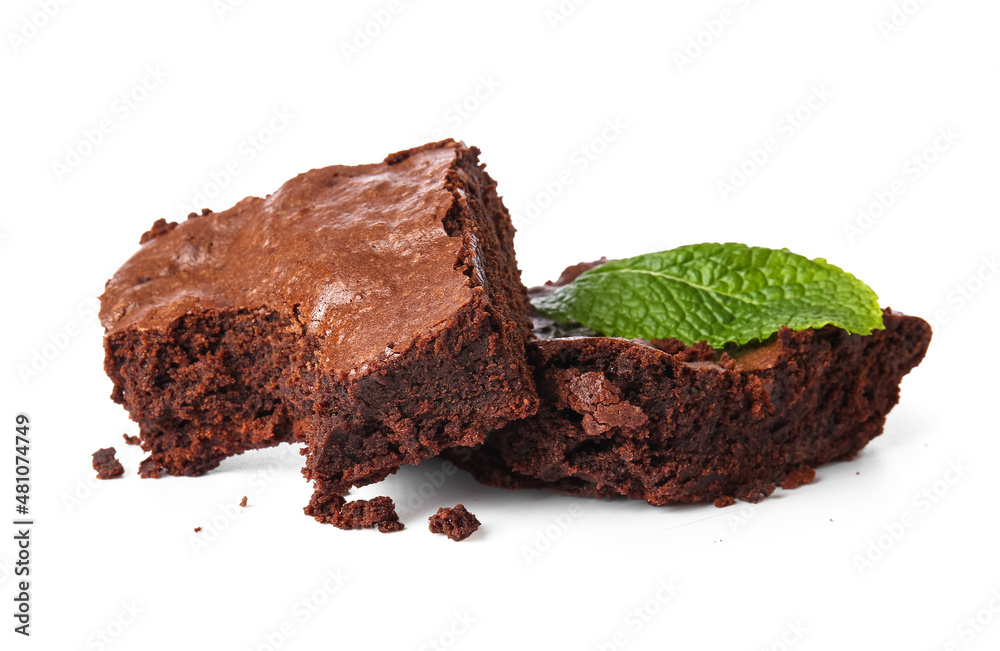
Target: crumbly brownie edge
(842, 384)
(208, 386)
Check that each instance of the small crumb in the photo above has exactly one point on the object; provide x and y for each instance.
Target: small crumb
(243, 502)
(106, 465)
(858, 473)
(831, 519)
(131, 440)
(377, 512)
(456, 523)
(796, 478)
(723, 501)
(149, 469)
(197, 529)
(390, 527)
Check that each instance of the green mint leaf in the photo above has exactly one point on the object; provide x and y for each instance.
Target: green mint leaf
(719, 293)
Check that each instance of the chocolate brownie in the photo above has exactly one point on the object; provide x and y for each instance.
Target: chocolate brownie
(375, 311)
(106, 465)
(456, 523)
(670, 423)
(131, 440)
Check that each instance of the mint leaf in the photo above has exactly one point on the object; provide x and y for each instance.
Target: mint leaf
(719, 293)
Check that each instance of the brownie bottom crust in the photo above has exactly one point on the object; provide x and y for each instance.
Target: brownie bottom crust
(672, 424)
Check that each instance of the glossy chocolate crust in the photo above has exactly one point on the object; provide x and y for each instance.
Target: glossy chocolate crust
(670, 423)
(349, 309)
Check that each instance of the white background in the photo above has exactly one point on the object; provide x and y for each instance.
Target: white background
(545, 571)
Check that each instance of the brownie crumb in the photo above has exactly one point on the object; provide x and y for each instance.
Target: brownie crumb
(390, 527)
(106, 465)
(149, 469)
(243, 502)
(457, 523)
(131, 440)
(796, 478)
(197, 529)
(160, 226)
(724, 500)
(377, 512)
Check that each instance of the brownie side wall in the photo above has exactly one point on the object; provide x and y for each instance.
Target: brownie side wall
(451, 387)
(449, 391)
(480, 218)
(708, 433)
(208, 387)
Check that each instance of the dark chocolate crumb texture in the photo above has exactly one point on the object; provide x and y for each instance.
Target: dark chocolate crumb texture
(106, 464)
(457, 523)
(377, 512)
(374, 311)
(670, 423)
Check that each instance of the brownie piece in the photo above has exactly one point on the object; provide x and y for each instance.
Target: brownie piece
(364, 514)
(375, 311)
(106, 465)
(243, 502)
(456, 523)
(131, 440)
(670, 423)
